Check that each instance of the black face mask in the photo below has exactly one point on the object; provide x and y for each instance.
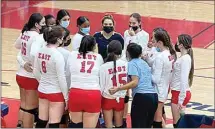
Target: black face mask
(108, 29)
(134, 28)
(42, 29)
(176, 48)
(67, 43)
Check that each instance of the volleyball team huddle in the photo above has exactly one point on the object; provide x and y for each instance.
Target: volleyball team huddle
(67, 88)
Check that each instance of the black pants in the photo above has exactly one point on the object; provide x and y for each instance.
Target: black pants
(143, 110)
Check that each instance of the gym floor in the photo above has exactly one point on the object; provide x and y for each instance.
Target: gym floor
(192, 17)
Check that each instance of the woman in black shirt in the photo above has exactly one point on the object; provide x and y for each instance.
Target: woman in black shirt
(104, 37)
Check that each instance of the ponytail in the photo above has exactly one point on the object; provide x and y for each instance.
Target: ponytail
(83, 50)
(190, 52)
(167, 43)
(114, 50)
(87, 45)
(112, 57)
(172, 51)
(25, 28)
(186, 41)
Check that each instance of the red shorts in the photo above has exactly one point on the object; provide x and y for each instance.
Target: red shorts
(175, 95)
(111, 104)
(27, 83)
(84, 100)
(53, 97)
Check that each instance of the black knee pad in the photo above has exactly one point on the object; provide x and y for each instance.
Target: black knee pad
(54, 125)
(33, 112)
(157, 124)
(75, 125)
(126, 99)
(41, 123)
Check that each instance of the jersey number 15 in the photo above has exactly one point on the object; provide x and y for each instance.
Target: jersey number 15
(121, 77)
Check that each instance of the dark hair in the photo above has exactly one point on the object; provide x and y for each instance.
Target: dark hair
(61, 13)
(108, 16)
(66, 34)
(158, 29)
(163, 36)
(136, 16)
(81, 20)
(134, 50)
(34, 18)
(51, 34)
(186, 41)
(87, 44)
(47, 17)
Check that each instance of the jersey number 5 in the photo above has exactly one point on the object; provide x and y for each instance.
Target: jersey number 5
(121, 79)
(83, 66)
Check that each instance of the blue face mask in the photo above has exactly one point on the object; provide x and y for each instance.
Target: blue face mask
(85, 30)
(158, 49)
(64, 24)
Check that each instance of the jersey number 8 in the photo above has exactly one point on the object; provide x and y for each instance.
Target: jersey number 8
(44, 66)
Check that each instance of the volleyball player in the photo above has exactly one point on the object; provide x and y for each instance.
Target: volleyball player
(152, 50)
(161, 72)
(85, 95)
(50, 20)
(145, 99)
(113, 73)
(150, 55)
(135, 34)
(63, 18)
(49, 69)
(83, 25)
(66, 42)
(108, 33)
(25, 79)
(182, 76)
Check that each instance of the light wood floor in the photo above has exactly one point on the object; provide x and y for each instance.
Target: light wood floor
(203, 87)
(189, 10)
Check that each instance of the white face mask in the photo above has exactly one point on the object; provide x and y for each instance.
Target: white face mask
(65, 24)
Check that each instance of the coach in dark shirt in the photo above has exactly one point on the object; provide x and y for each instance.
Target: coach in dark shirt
(108, 34)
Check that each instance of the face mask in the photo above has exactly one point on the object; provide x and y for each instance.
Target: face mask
(158, 49)
(85, 30)
(176, 48)
(67, 43)
(108, 29)
(64, 24)
(134, 28)
(42, 29)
